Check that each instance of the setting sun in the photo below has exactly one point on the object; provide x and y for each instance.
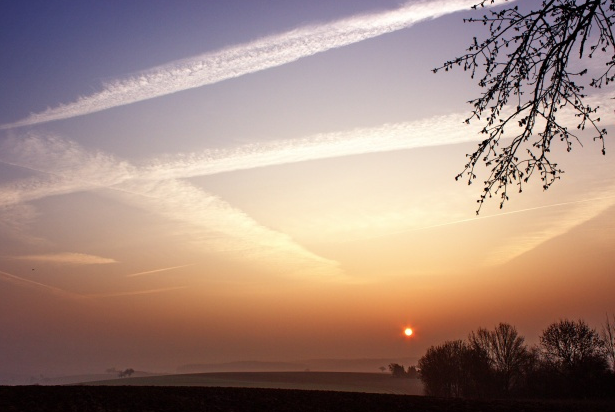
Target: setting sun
(408, 332)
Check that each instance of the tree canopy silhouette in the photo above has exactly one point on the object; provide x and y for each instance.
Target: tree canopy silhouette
(534, 72)
(454, 369)
(570, 362)
(506, 353)
(608, 337)
(576, 358)
(568, 344)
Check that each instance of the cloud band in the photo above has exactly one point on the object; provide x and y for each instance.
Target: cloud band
(235, 61)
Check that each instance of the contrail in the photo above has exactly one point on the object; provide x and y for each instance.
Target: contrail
(430, 132)
(156, 271)
(7, 277)
(205, 218)
(235, 61)
(70, 168)
(215, 225)
(513, 212)
(477, 218)
(67, 258)
(138, 292)
(555, 225)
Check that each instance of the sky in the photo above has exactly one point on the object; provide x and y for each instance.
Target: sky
(205, 182)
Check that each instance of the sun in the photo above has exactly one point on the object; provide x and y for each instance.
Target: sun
(408, 332)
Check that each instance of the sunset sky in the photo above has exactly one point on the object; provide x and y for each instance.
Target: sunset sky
(273, 180)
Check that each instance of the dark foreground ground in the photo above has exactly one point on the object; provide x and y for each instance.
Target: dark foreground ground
(188, 399)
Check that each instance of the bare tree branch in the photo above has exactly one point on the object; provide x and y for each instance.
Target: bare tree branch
(527, 80)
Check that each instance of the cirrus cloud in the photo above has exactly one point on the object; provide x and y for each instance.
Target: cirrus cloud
(67, 258)
(265, 53)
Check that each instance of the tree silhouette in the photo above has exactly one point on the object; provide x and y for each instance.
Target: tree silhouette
(397, 370)
(575, 353)
(569, 363)
(453, 369)
(531, 68)
(608, 337)
(567, 343)
(126, 373)
(506, 352)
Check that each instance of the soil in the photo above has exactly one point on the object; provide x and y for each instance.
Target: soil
(188, 399)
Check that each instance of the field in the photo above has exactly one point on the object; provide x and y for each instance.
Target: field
(188, 399)
(323, 381)
(260, 391)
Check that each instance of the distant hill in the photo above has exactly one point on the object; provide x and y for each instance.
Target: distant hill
(323, 381)
(357, 365)
(367, 365)
(325, 365)
(66, 379)
(243, 366)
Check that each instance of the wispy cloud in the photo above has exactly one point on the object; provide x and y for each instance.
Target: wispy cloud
(67, 259)
(136, 292)
(235, 61)
(60, 166)
(562, 220)
(384, 138)
(215, 225)
(15, 221)
(17, 280)
(66, 167)
(31, 284)
(599, 200)
(149, 272)
(212, 223)
(52, 155)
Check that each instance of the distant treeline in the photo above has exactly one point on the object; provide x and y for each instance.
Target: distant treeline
(398, 371)
(572, 360)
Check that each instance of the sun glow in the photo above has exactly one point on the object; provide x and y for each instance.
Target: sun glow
(408, 332)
